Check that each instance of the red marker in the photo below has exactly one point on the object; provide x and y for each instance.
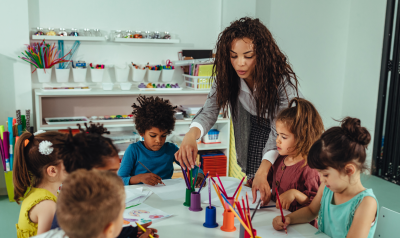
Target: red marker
(280, 206)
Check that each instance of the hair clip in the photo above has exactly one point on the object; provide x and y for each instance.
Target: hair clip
(45, 147)
(38, 132)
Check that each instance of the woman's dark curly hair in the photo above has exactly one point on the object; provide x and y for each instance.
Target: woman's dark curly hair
(87, 149)
(153, 112)
(271, 72)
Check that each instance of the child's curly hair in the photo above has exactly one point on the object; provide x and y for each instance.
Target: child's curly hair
(153, 112)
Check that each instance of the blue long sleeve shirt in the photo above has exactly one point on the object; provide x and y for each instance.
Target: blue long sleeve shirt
(159, 162)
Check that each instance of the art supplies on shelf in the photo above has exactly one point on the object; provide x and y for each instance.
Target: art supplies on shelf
(154, 87)
(213, 161)
(69, 89)
(83, 119)
(65, 120)
(121, 73)
(212, 137)
(68, 34)
(198, 82)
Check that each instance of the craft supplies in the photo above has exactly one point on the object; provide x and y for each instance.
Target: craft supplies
(128, 34)
(42, 55)
(280, 207)
(39, 31)
(118, 34)
(51, 32)
(156, 35)
(65, 120)
(69, 56)
(83, 88)
(138, 34)
(96, 32)
(86, 32)
(148, 35)
(62, 32)
(74, 32)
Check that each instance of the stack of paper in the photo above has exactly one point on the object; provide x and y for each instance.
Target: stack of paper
(135, 196)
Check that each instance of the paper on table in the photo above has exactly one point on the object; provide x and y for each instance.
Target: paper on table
(270, 232)
(142, 214)
(173, 189)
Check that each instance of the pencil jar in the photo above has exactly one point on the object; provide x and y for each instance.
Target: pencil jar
(10, 185)
(121, 73)
(166, 75)
(97, 75)
(138, 74)
(231, 201)
(228, 222)
(44, 75)
(247, 235)
(79, 74)
(187, 197)
(211, 217)
(195, 202)
(153, 75)
(62, 75)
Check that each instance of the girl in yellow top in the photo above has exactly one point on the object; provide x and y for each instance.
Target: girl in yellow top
(37, 176)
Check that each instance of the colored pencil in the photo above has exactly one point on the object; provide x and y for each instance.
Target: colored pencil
(250, 225)
(190, 179)
(247, 200)
(222, 186)
(237, 196)
(195, 177)
(209, 191)
(133, 206)
(238, 217)
(280, 206)
(144, 230)
(216, 183)
(255, 210)
(220, 199)
(149, 171)
(203, 181)
(185, 178)
(240, 209)
(239, 186)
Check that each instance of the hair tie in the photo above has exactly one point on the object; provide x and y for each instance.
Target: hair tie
(45, 147)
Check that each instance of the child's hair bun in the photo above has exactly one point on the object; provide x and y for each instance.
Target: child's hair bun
(353, 130)
(94, 128)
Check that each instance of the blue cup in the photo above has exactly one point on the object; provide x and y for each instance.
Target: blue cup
(211, 217)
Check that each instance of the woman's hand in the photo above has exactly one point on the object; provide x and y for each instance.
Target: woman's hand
(200, 178)
(186, 155)
(279, 225)
(287, 198)
(260, 183)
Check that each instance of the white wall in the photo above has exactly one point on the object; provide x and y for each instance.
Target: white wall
(15, 83)
(363, 63)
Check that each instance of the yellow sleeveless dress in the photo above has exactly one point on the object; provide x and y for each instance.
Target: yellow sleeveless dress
(25, 227)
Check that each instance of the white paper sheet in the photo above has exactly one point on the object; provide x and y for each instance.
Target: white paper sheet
(174, 189)
(143, 214)
(270, 232)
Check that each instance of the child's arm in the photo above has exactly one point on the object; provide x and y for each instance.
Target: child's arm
(127, 165)
(303, 215)
(363, 218)
(43, 214)
(147, 178)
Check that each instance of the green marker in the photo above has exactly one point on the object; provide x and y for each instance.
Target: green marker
(133, 206)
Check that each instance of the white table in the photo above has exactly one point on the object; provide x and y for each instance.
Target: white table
(185, 223)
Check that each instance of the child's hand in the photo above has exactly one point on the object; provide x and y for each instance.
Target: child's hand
(278, 224)
(149, 231)
(200, 178)
(149, 178)
(287, 198)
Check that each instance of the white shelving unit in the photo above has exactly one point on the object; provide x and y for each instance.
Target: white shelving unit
(141, 40)
(99, 102)
(70, 38)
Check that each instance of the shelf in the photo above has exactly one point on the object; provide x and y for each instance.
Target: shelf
(201, 147)
(117, 92)
(118, 124)
(136, 40)
(71, 38)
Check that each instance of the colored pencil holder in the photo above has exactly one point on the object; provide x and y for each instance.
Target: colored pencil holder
(79, 74)
(121, 73)
(97, 75)
(10, 185)
(44, 77)
(231, 201)
(211, 217)
(187, 197)
(62, 75)
(166, 75)
(153, 75)
(138, 74)
(247, 235)
(195, 202)
(228, 222)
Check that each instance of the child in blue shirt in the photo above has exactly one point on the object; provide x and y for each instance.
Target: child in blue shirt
(154, 119)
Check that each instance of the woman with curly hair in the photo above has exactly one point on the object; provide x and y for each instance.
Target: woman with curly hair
(154, 119)
(254, 81)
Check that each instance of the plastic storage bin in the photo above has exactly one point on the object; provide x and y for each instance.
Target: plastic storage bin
(125, 86)
(198, 82)
(121, 73)
(212, 137)
(44, 77)
(79, 74)
(108, 86)
(138, 74)
(166, 75)
(62, 75)
(153, 75)
(97, 75)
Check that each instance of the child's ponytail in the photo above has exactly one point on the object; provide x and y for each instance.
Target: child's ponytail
(29, 163)
(21, 177)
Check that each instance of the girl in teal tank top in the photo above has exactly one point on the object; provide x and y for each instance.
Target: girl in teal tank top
(343, 207)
